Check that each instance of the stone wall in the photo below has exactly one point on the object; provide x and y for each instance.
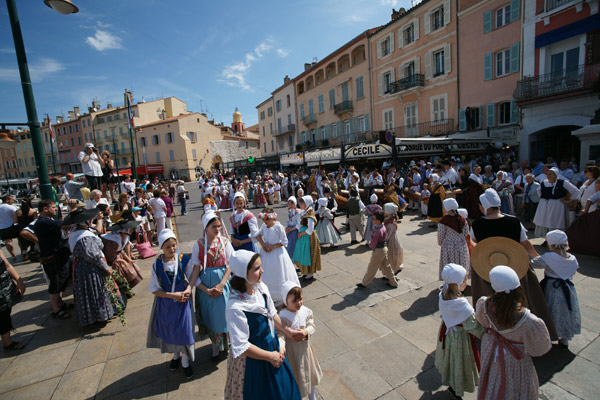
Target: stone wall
(233, 150)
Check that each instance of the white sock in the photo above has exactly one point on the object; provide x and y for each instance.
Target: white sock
(185, 361)
(176, 355)
(312, 395)
(308, 276)
(215, 350)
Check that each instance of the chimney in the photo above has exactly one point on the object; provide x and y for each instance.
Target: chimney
(76, 111)
(286, 79)
(96, 104)
(307, 66)
(71, 116)
(109, 105)
(91, 110)
(59, 119)
(397, 14)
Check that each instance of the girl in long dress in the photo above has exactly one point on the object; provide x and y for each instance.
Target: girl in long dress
(171, 325)
(456, 354)
(552, 212)
(513, 335)
(326, 231)
(435, 211)
(259, 195)
(292, 226)
(278, 266)
(505, 189)
(369, 210)
(473, 192)
(256, 367)
(243, 225)
(395, 251)
(452, 232)
(114, 244)
(307, 254)
(301, 355)
(210, 258)
(561, 297)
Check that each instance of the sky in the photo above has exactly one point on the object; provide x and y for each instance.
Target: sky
(214, 55)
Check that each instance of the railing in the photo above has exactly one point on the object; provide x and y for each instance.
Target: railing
(309, 119)
(285, 129)
(344, 106)
(582, 77)
(552, 4)
(407, 83)
(431, 128)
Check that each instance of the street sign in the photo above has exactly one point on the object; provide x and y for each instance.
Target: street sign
(389, 137)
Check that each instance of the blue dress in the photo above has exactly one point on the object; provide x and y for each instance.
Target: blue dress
(242, 231)
(292, 237)
(262, 381)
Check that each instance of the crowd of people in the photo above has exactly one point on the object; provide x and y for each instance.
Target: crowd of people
(245, 274)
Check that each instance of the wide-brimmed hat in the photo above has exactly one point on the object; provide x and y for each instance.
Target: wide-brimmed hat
(495, 251)
(80, 215)
(124, 225)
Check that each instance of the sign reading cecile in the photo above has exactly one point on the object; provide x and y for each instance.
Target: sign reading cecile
(370, 150)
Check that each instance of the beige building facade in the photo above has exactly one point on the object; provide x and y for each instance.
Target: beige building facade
(286, 121)
(266, 127)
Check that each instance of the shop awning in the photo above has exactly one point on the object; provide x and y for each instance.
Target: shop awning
(291, 159)
(150, 169)
(332, 155)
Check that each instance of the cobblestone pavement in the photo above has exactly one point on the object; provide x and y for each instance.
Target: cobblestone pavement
(377, 343)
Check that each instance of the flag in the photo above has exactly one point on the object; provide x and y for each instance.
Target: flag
(50, 128)
(129, 113)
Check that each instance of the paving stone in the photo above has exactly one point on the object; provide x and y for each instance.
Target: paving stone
(339, 281)
(392, 395)
(315, 289)
(155, 390)
(581, 341)
(426, 385)
(580, 377)
(33, 368)
(39, 391)
(128, 341)
(90, 350)
(331, 306)
(347, 376)
(363, 298)
(589, 318)
(357, 328)
(592, 351)
(80, 384)
(549, 391)
(325, 343)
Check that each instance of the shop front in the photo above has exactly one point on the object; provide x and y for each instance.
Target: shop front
(367, 155)
(323, 156)
(150, 170)
(287, 160)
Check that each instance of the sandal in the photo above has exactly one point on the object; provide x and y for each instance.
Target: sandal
(62, 314)
(14, 346)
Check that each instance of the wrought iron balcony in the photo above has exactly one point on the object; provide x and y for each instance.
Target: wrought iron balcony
(564, 81)
(285, 129)
(552, 4)
(309, 119)
(431, 128)
(343, 107)
(411, 81)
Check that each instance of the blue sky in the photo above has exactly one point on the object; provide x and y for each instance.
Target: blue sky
(214, 55)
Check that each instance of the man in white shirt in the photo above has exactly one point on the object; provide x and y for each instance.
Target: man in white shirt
(450, 176)
(127, 186)
(92, 166)
(7, 222)
(159, 212)
(182, 197)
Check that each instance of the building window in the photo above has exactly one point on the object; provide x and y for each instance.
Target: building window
(263, 131)
(409, 69)
(437, 18)
(408, 34)
(155, 140)
(117, 117)
(388, 119)
(194, 154)
(331, 98)
(291, 141)
(265, 146)
(281, 142)
(362, 124)
(193, 136)
(289, 100)
(278, 105)
(79, 140)
(502, 16)
(143, 142)
(271, 127)
(262, 115)
(323, 135)
(301, 111)
(387, 81)
(385, 47)
(109, 119)
(158, 156)
(438, 108)
(502, 63)
(270, 111)
(473, 117)
(272, 145)
(360, 91)
(321, 104)
(410, 119)
(348, 129)
(172, 155)
(169, 137)
(504, 113)
(334, 130)
(438, 60)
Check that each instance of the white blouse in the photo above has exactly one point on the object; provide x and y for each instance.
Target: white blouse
(169, 267)
(275, 234)
(311, 224)
(252, 222)
(569, 187)
(586, 192)
(294, 220)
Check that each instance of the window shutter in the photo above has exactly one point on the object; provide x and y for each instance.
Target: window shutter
(487, 66)
(428, 73)
(446, 12)
(480, 118)
(515, 9)
(490, 114)
(416, 25)
(355, 125)
(392, 75)
(417, 65)
(379, 49)
(514, 57)
(514, 112)
(487, 21)
(447, 59)
(367, 126)
(400, 38)
(380, 84)
(391, 36)
(427, 23)
(462, 121)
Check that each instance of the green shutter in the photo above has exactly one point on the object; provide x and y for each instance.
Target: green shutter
(480, 118)
(515, 9)
(301, 110)
(331, 98)
(490, 114)
(462, 120)
(487, 21)
(514, 57)
(487, 66)
(514, 112)
(367, 126)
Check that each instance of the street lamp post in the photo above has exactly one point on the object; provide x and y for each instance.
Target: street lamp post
(131, 132)
(115, 154)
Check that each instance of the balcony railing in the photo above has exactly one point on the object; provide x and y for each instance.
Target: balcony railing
(568, 80)
(343, 107)
(431, 128)
(410, 81)
(552, 4)
(285, 129)
(309, 119)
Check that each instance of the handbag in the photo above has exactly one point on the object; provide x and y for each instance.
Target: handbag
(8, 292)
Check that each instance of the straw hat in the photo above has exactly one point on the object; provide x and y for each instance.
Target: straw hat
(495, 251)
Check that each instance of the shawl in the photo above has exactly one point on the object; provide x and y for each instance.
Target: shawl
(451, 221)
(75, 236)
(564, 268)
(298, 318)
(310, 214)
(454, 311)
(242, 302)
(247, 215)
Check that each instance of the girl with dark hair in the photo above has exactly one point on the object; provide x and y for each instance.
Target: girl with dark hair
(452, 232)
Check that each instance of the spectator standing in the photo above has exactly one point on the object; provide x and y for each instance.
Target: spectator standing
(108, 180)
(182, 196)
(127, 186)
(164, 196)
(8, 229)
(160, 211)
(73, 188)
(92, 165)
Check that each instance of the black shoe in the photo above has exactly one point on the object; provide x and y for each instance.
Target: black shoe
(174, 364)
(385, 278)
(453, 394)
(563, 346)
(397, 272)
(354, 242)
(360, 286)
(306, 279)
(215, 358)
(188, 372)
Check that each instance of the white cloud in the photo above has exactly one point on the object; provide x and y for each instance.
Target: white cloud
(282, 53)
(389, 2)
(38, 70)
(235, 74)
(354, 18)
(104, 40)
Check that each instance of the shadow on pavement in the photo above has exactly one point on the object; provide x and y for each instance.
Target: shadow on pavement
(430, 380)
(424, 228)
(422, 307)
(552, 362)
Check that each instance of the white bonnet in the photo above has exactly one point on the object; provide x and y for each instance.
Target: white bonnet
(454, 273)
(238, 262)
(390, 208)
(373, 198)
(556, 237)
(504, 279)
(285, 289)
(489, 199)
(450, 204)
(165, 234)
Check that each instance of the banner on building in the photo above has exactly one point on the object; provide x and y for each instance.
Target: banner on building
(291, 159)
(426, 147)
(325, 156)
(370, 150)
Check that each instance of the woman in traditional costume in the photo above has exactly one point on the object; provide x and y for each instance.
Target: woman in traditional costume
(114, 244)
(513, 336)
(435, 211)
(552, 212)
(394, 245)
(243, 225)
(505, 189)
(452, 232)
(256, 367)
(292, 225)
(473, 192)
(307, 254)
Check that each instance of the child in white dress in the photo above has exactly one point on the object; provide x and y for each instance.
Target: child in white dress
(277, 264)
(326, 231)
(425, 193)
(300, 354)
